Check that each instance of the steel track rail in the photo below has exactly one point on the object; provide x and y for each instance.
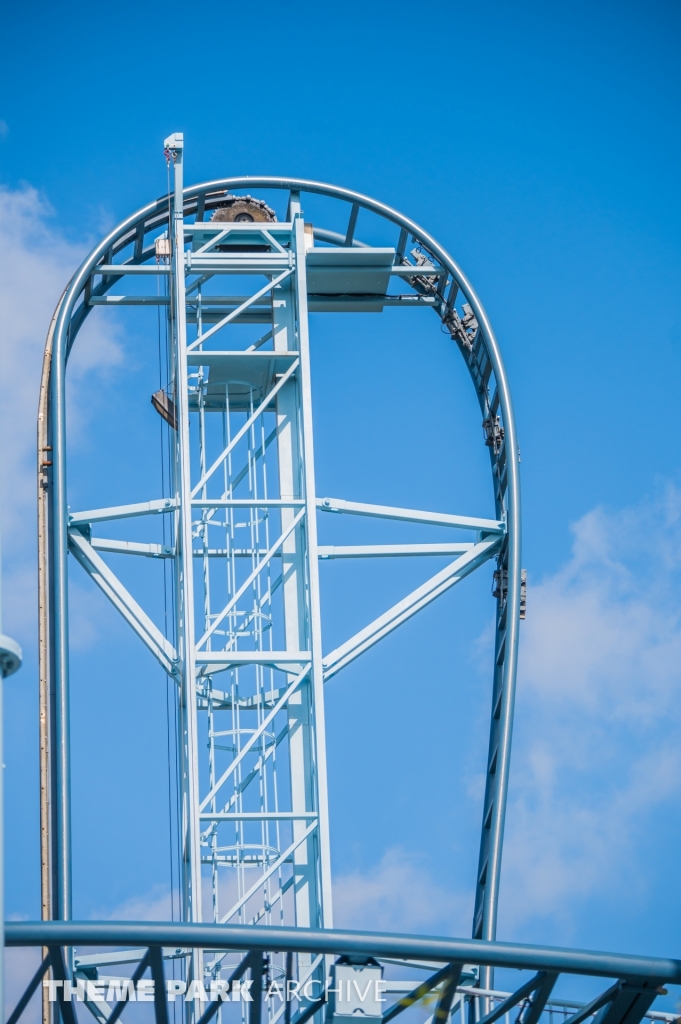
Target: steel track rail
(517, 956)
(483, 361)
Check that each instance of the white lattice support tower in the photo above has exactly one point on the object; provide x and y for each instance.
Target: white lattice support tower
(239, 518)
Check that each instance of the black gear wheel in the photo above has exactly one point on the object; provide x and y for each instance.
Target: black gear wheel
(244, 209)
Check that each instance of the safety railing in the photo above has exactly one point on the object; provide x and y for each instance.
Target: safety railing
(257, 975)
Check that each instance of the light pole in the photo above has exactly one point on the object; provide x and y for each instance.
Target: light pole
(10, 661)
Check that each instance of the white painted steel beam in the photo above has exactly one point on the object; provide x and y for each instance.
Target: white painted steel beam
(142, 508)
(389, 550)
(129, 547)
(247, 503)
(275, 659)
(407, 515)
(259, 816)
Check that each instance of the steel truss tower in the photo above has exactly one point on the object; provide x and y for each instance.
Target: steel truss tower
(238, 528)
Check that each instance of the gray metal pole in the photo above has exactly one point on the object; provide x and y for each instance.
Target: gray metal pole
(10, 661)
(174, 145)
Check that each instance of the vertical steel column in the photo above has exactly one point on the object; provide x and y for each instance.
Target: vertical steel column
(185, 605)
(301, 591)
(321, 838)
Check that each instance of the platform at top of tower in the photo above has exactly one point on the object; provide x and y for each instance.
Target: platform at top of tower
(344, 274)
(339, 279)
(246, 377)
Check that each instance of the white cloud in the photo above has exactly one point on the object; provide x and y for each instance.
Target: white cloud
(596, 753)
(35, 265)
(399, 895)
(154, 906)
(36, 262)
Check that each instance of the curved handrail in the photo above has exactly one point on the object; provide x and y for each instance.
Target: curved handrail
(519, 956)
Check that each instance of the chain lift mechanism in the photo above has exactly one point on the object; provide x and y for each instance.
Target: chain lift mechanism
(245, 651)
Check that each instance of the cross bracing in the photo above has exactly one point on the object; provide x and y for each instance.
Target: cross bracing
(246, 648)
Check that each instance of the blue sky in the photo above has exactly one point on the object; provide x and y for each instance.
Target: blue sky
(540, 144)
